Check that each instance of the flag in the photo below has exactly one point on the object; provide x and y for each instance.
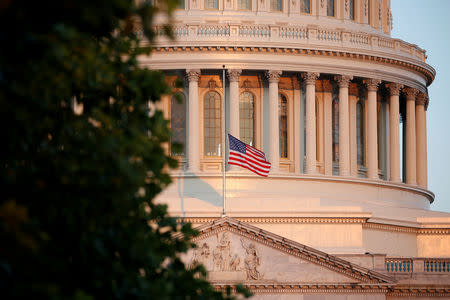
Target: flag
(241, 154)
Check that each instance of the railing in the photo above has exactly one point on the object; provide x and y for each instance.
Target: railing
(399, 265)
(304, 36)
(254, 31)
(417, 265)
(436, 265)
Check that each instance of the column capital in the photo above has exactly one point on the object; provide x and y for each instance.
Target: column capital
(372, 84)
(234, 74)
(410, 93)
(310, 77)
(193, 74)
(421, 99)
(394, 88)
(273, 75)
(343, 80)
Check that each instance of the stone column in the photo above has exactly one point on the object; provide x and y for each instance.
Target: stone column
(411, 94)
(372, 138)
(344, 128)
(194, 123)
(353, 100)
(274, 123)
(394, 131)
(327, 128)
(421, 141)
(320, 124)
(233, 76)
(310, 80)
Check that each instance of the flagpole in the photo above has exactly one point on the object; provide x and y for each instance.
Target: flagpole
(223, 142)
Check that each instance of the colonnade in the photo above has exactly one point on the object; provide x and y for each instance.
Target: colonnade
(416, 146)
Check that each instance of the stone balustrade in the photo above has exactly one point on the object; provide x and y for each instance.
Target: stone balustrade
(303, 36)
(417, 265)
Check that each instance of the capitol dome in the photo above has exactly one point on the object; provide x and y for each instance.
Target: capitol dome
(339, 108)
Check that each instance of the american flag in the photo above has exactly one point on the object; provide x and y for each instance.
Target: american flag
(248, 157)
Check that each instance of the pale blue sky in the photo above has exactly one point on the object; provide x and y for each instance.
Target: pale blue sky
(427, 24)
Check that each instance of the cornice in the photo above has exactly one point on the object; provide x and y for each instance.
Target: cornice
(296, 288)
(419, 291)
(424, 70)
(333, 288)
(326, 220)
(283, 220)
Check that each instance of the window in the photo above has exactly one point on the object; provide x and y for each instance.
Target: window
(351, 8)
(211, 4)
(283, 119)
(360, 130)
(247, 118)
(330, 8)
(275, 5)
(178, 123)
(244, 4)
(305, 6)
(212, 124)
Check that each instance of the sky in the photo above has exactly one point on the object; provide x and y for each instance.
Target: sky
(426, 23)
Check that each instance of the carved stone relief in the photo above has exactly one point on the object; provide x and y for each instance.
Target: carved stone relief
(251, 261)
(227, 257)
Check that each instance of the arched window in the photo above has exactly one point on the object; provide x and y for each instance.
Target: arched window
(360, 130)
(330, 8)
(275, 5)
(211, 4)
(212, 124)
(351, 8)
(244, 4)
(305, 6)
(283, 117)
(335, 129)
(247, 118)
(178, 123)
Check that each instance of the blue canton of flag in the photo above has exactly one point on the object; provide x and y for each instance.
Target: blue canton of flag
(246, 156)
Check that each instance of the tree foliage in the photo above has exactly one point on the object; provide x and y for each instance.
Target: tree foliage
(77, 191)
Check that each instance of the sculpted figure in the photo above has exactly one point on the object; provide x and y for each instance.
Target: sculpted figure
(251, 261)
(201, 254)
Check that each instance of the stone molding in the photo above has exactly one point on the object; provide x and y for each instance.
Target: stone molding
(326, 220)
(410, 93)
(193, 75)
(321, 288)
(429, 74)
(234, 74)
(394, 88)
(283, 220)
(372, 84)
(273, 75)
(310, 77)
(343, 80)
